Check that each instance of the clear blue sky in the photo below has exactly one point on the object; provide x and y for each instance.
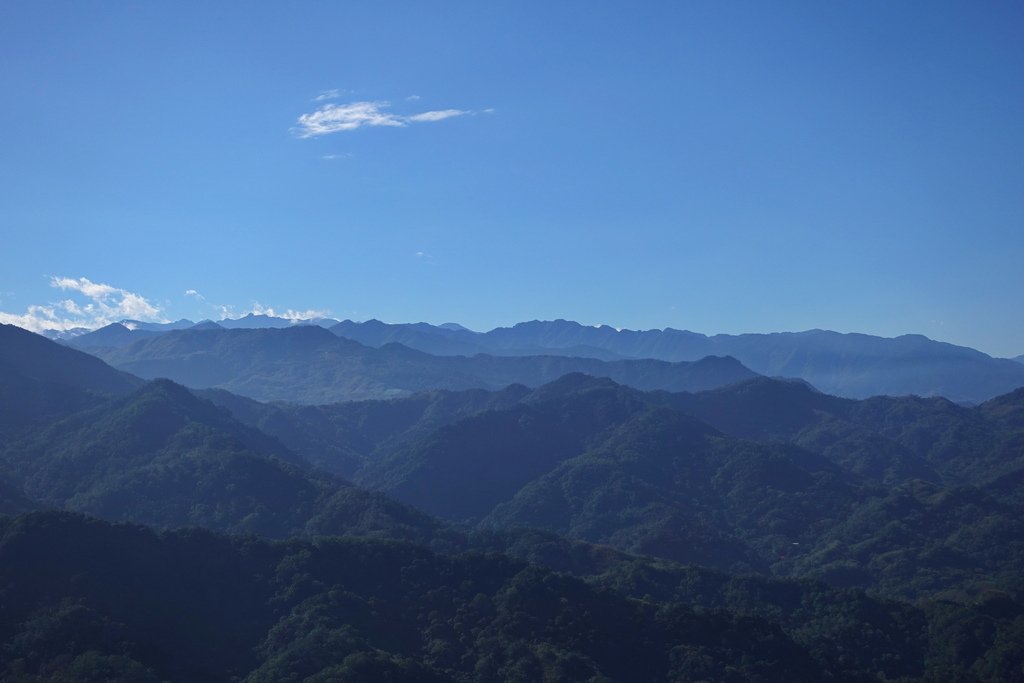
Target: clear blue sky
(715, 166)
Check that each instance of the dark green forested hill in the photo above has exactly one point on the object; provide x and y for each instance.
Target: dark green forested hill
(342, 437)
(191, 606)
(816, 486)
(162, 456)
(86, 600)
(500, 450)
(906, 495)
(892, 439)
(668, 485)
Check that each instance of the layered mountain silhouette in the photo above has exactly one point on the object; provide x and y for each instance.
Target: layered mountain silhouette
(849, 365)
(794, 502)
(113, 335)
(764, 475)
(308, 364)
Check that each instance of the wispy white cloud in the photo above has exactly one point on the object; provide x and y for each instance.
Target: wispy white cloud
(332, 94)
(194, 294)
(338, 118)
(334, 118)
(412, 98)
(439, 115)
(334, 157)
(97, 304)
(425, 258)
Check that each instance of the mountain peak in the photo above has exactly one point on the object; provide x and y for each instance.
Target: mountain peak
(572, 383)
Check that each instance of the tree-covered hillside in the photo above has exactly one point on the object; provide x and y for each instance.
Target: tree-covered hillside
(164, 457)
(584, 531)
(771, 476)
(85, 600)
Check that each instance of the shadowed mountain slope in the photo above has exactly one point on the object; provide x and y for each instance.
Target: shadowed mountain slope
(462, 471)
(34, 357)
(41, 380)
(604, 463)
(343, 437)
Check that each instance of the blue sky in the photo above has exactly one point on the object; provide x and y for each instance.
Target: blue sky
(714, 166)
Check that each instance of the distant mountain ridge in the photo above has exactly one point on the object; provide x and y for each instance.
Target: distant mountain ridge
(850, 365)
(308, 364)
(82, 337)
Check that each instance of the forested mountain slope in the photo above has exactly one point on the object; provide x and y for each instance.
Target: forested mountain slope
(194, 606)
(915, 499)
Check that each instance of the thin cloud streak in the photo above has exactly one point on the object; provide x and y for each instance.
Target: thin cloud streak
(440, 115)
(338, 118)
(333, 94)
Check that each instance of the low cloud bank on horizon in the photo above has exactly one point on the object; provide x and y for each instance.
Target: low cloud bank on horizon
(91, 305)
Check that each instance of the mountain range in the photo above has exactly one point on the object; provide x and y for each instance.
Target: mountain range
(578, 529)
(761, 475)
(764, 475)
(850, 365)
(308, 364)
